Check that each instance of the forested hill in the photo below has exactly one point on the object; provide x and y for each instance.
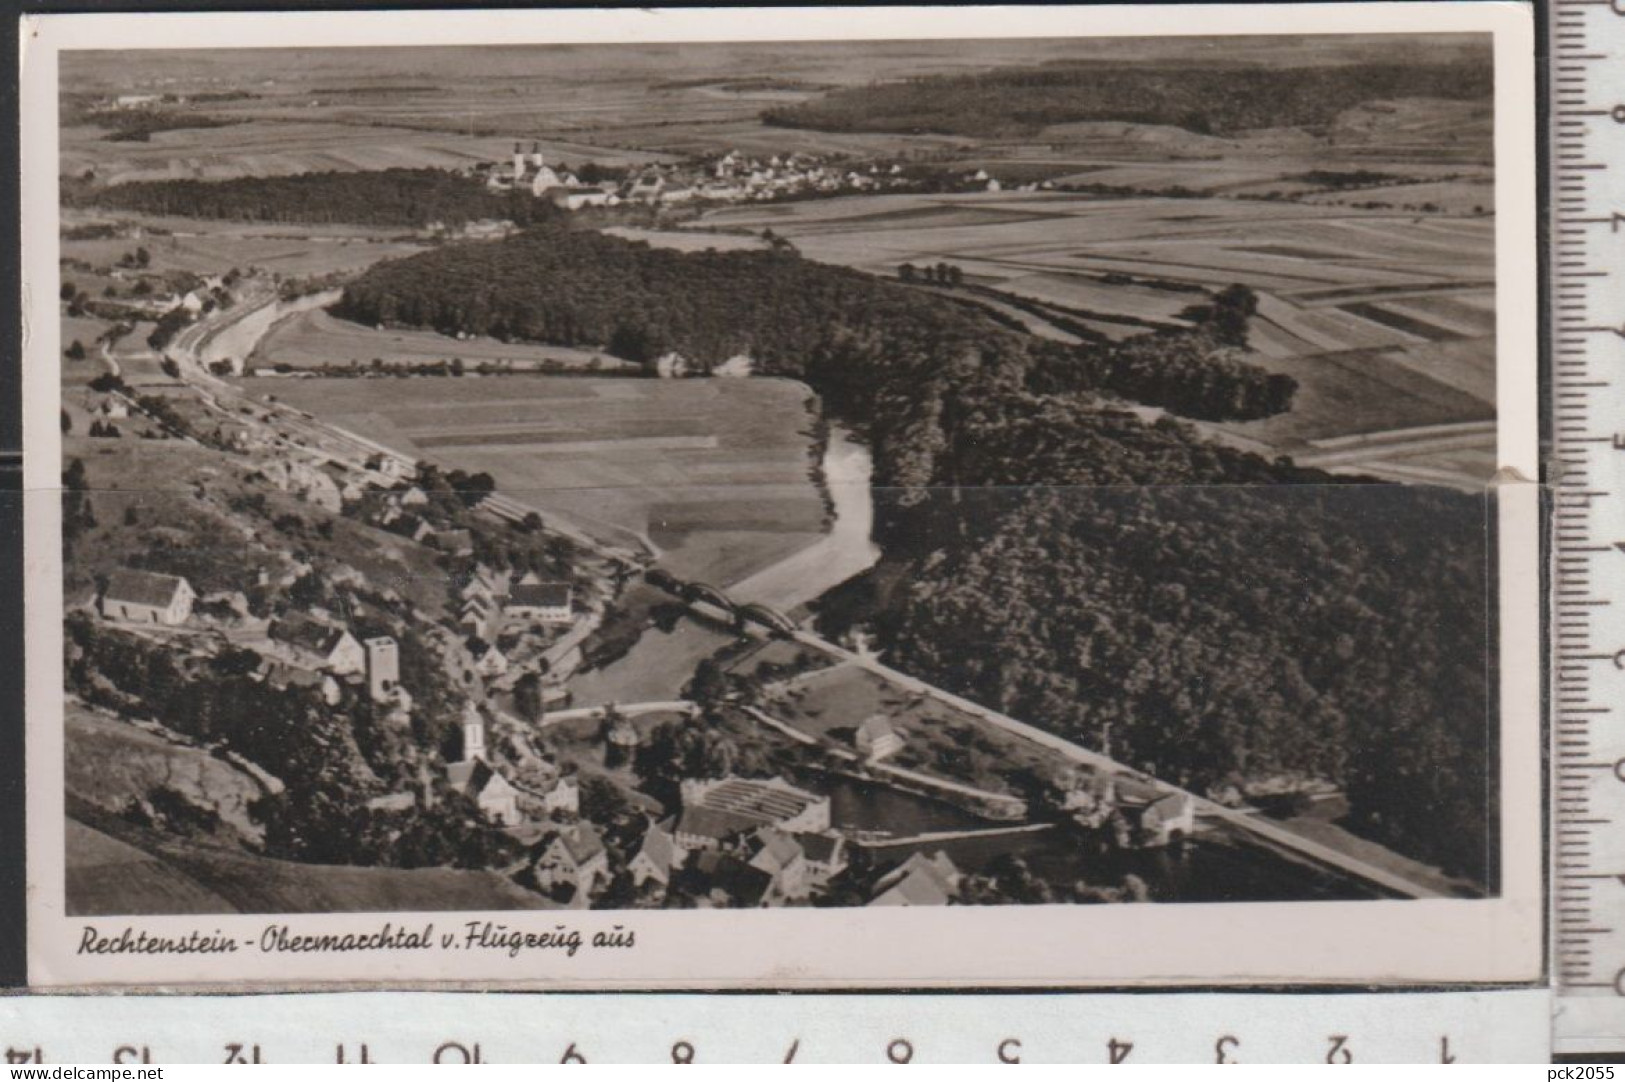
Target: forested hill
(884, 355)
(1221, 634)
(408, 198)
(1220, 614)
(1220, 99)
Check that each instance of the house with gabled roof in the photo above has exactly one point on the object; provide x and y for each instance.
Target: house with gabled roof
(780, 856)
(877, 738)
(328, 647)
(489, 662)
(657, 857)
(738, 882)
(919, 880)
(825, 855)
(146, 597)
(485, 785)
(548, 602)
(576, 857)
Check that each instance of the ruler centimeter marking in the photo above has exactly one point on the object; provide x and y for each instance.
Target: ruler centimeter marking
(1586, 254)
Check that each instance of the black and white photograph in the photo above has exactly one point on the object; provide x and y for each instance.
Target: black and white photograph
(581, 483)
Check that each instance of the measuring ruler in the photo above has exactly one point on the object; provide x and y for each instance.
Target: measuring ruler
(1586, 215)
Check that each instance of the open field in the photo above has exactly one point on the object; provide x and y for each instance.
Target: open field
(939, 740)
(1385, 320)
(714, 472)
(105, 876)
(688, 240)
(277, 143)
(313, 338)
(209, 248)
(361, 109)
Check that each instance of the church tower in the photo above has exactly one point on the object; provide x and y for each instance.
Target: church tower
(473, 734)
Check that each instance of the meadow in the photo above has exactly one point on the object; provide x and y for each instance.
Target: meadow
(314, 338)
(1385, 319)
(715, 474)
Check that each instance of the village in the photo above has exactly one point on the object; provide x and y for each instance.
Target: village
(731, 840)
(435, 632)
(508, 634)
(732, 177)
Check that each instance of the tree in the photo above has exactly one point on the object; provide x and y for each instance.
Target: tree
(527, 697)
(68, 290)
(76, 351)
(709, 687)
(143, 258)
(602, 801)
(67, 423)
(906, 272)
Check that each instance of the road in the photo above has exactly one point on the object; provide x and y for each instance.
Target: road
(1253, 824)
(1393, 454)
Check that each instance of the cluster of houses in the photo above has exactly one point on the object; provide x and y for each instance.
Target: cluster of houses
(512, 624)
(731, 178)
(530, 172)
(297, 649)
(1138, 814)
(758, 842)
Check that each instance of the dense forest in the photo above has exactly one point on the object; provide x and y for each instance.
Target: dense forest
(1208, 100)
(1214, 614)
(1217, 634)
(866, 343)
(408, 198)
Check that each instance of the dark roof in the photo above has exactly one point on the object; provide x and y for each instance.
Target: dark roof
(743, 883)
(541, 595)
(820, 848)
(143, 588)
(470, 776)
(297, 629)
(773, 850)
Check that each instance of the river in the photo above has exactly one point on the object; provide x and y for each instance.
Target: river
(846, 550)
(1215, 867)
(662, 661)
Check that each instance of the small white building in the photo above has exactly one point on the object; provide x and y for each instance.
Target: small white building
(331, 648)
(876, 738)
(484, 784)
(548, 602)
(564, 796)
(576, 857)
(657, 857)
(489, 662)
(145, 597)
